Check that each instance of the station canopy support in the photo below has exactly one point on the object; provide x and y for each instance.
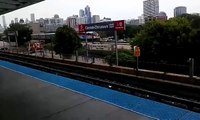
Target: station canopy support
(11, 5)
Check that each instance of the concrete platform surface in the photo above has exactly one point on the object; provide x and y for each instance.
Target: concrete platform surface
(25, 98)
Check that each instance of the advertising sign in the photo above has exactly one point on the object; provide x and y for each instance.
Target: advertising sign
(103, 26)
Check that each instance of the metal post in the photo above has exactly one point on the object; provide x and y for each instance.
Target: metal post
(3, 45)
(191, 61)
(51, 49)
(16, 41)
(9, 43)
(29, 47)
(116, 50)
(76, 55)
(86, 46)
(137, 64)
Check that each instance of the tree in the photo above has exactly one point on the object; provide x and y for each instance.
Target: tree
(66, 41)
(24, 32)
(125, 58)
(165, 41)
(132, 30)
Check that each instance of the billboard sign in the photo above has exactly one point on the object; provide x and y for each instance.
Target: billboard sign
(103, 26)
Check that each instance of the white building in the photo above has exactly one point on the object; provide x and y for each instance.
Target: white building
(33, 17)
(95, 19)
(150, 8)
(178, 11)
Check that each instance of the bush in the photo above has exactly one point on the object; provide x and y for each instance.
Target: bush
(125, 58)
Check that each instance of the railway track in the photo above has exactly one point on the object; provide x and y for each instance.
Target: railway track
(182, 94)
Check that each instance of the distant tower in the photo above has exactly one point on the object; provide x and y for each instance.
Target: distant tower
(81, 13)
(33, 17)
(178, 11)
(88, 14)
(16, 20)
(4, 22)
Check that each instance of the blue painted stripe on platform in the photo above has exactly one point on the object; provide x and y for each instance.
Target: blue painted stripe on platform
(139, 105)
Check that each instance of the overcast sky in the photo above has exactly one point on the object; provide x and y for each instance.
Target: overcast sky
(115, 9)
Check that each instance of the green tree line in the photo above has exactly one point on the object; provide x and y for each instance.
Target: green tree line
(172, 41)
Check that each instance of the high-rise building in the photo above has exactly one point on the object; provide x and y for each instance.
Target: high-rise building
(81, 13)
(32, 17)
(178, 11)
(4, 22)
(16, 20)
(88, 14)
(150, 8)
(95, 18)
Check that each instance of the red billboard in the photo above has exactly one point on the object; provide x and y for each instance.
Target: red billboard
(119, 25)
(82, 28)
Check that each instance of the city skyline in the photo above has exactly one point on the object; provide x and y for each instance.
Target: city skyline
(127, 9)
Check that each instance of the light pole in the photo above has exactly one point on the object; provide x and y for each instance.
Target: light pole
(16, 41)
(116, 50)
(86, 40)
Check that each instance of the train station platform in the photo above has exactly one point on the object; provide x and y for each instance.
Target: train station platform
(29, 94)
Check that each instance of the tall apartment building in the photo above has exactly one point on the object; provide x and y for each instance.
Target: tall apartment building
(150, 8)
(178, 11)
